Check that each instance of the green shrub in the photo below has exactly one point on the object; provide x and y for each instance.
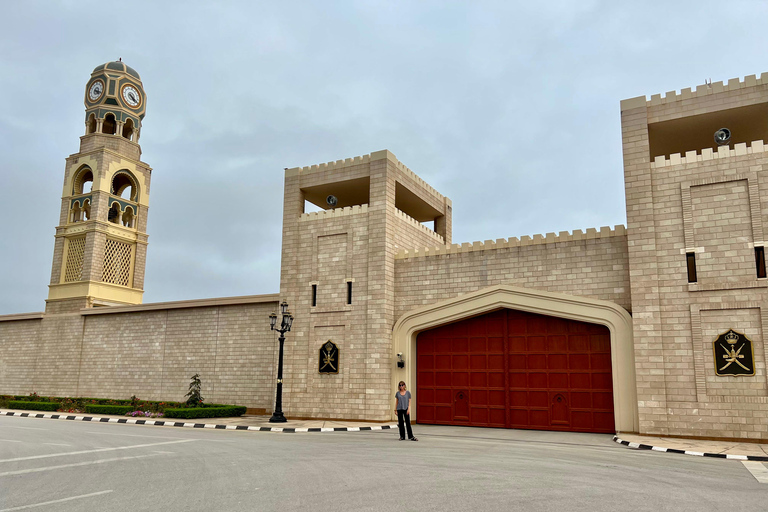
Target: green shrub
(209, 411)
(33, 406)
(194, 398)
(108, 409)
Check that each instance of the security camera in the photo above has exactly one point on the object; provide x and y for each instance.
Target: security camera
(722, 136)
(331, 200)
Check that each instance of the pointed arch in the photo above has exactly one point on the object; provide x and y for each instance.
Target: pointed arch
(584, 309)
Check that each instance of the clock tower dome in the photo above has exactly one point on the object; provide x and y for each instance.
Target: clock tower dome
(101, 241)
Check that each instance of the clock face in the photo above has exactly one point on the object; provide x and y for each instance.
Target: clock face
(131, 96)
(96, 90)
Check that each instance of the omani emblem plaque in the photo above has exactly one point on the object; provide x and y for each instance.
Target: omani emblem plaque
(329, 358)
(733, 355)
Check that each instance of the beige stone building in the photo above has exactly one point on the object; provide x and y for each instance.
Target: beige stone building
(656, 328)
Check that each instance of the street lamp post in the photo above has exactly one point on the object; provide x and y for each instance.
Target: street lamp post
(285, 326)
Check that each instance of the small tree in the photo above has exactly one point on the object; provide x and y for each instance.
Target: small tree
(194, 398)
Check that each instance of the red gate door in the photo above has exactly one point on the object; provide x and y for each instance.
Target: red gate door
(516, 370)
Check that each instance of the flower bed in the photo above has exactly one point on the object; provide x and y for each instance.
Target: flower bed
(129, 407)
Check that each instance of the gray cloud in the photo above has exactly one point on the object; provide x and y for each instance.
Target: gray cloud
(509, 108)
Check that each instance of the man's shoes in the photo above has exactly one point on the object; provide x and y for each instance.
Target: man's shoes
(414, 439)
(402, 439)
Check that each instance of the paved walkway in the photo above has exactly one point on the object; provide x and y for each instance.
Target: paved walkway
(730, 449)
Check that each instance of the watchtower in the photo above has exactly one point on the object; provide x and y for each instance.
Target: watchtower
(101, 241)
(695, 167)
(338, 276)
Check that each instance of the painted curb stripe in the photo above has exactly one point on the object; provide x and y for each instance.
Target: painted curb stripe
(638, 446)
(205, 425)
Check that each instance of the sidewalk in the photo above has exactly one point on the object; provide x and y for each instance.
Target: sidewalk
(720, 449)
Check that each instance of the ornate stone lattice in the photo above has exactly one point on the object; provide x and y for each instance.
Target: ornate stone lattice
(75, 252)
(117, 263)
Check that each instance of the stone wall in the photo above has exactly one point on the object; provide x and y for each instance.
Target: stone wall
(150, 351)
(591, 265)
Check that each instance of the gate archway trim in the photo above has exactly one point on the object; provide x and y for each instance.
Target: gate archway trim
(560, 305)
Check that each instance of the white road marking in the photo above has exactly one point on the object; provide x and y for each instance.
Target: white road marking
(24, 507)
(10, 441)
(76, 464)
(25, 428)
(758, 470)
(97, 450)
(57, 444)
(132, 435)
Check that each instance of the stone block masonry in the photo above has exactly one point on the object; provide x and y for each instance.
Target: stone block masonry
(595, 267)
(706, 202)
(150, 351)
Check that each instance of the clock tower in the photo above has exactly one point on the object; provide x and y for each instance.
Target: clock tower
(101, 241)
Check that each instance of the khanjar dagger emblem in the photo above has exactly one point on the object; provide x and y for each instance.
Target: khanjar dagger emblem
(733, 355)
(329, 358)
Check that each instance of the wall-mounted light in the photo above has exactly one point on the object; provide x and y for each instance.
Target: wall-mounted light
(400, 360)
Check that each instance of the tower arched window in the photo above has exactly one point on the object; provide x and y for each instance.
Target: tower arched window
(75, 213)
(113, 215)
(128, 129)
(83, 181)
(110, 124)
(128, 217)
(91, 124)
(124, 185)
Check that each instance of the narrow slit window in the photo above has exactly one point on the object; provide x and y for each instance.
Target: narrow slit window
(690, 258)
(760, 261)
(314, 295)
(349, 292)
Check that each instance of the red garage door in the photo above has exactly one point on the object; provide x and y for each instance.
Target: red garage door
(516, 370)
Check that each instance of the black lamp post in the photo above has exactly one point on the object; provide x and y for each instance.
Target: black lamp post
(285, 326)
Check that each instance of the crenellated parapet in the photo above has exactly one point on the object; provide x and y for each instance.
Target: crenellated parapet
(329, 166)
(339, 165)
(335, 212)
(757, 146)
(413, 222)
(733, 84)
(523, 241)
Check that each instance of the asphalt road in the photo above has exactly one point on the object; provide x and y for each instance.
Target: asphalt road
(72, 465)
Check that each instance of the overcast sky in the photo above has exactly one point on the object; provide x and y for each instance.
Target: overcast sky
(511, 109)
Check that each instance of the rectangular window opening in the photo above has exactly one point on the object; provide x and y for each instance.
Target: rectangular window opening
(690, 258)
(349, 292)
(760, 261)
(314, 295)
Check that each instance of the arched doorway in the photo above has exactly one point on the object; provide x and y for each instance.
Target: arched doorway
(559, 305)
(514, 369)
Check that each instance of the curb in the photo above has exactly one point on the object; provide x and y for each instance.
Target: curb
(160, 423)
(639, 446)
